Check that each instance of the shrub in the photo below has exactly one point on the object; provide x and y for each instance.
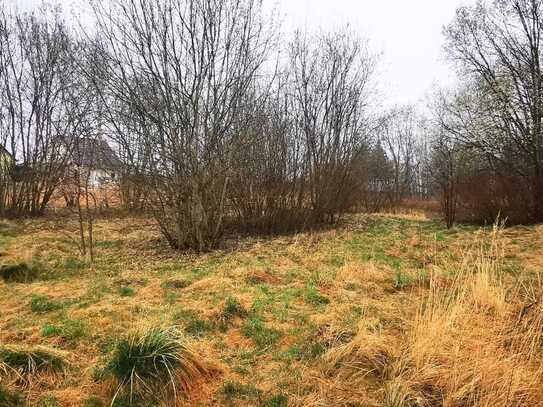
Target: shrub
(26, 361)
(19, 273)
(153, 363)
(42, 304)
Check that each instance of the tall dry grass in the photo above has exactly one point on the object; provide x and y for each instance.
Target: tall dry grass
(473, 342)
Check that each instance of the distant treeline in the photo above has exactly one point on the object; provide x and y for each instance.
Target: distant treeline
(222, 124)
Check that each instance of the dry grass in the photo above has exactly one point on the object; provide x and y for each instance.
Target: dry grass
(390, 310)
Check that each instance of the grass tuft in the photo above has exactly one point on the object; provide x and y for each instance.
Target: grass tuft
(125, 291)
(402, 280)
(313, 297)
(261, 335)
(235, 390)
(68, 329)
(19, 273)
(10, 399)
(155, 363)
(27, 362)
(42, 304)
(175, 284)
(279, 400)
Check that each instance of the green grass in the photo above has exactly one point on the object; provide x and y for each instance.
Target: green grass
(48, 401)
(28, 361)
(69, 329)
(402, 280)
(198, 327)
(19, 273)
(278, 400)
(42, 304)
(259, 333)
(10, 399)
(93, 402)
(236, 390)
(149, 364)
(313, 297)
(125, 291)
(175, 284)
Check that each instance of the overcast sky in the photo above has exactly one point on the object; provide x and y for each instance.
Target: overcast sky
(406, 32)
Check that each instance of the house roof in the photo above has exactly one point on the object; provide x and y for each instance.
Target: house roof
(95, 153)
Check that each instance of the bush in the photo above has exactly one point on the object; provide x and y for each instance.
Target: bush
(19, 273)
(156, 362)
(504, 195)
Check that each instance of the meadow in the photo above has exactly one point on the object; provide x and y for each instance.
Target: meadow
(384, 310)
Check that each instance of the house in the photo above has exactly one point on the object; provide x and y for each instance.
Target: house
(95, 157)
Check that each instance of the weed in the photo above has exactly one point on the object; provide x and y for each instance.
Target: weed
(233, 309)
(171, 297)
(150, 362)
(42, 304)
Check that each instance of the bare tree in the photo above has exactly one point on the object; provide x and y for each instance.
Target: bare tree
(399, 135)
(42, 104)
(332, 88)
(183, 69)
(497, 46)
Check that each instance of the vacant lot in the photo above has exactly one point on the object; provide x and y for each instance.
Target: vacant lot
(386, 310)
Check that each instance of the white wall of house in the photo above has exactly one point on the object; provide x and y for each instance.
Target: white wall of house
(100, 177)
